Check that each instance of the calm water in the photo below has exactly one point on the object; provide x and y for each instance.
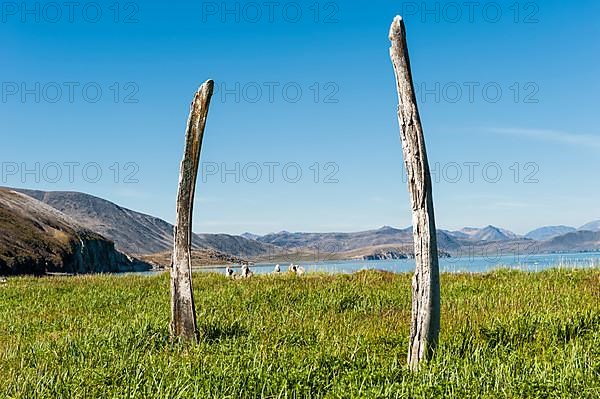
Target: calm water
(475, 264)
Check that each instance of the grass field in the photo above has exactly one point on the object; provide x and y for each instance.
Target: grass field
(504, 334)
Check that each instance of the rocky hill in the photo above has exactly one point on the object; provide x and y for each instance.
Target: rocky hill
(591, 226)
(37, 239)
(573, 242)
(345, 242)
(337, 242)
(488, 233)
(549, 232)
(137, 233)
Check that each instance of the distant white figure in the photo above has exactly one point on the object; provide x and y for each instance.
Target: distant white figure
(246, 272)
(277, 268)
(229, 271)
(3, 280)
(298, 270)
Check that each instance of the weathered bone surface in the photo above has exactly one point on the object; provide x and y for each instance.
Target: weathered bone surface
(425, 323)
(183, 313)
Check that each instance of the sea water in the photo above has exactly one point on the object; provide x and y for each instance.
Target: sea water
(463, 264)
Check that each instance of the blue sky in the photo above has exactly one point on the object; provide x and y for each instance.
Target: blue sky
(507, 90)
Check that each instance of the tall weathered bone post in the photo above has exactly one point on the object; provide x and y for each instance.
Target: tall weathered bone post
(183, 312)
(425, 323)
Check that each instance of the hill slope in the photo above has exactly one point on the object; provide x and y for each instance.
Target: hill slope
(488, 233)
(591, 226)
(142, 234)
(575, 241)
(548, 232)
(344, 242)
(131, 231)
(200, 258)
(36, 239)
(134, 232)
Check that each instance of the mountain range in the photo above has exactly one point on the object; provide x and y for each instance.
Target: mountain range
(488, 233)
(134, 232)
(591, 226)
(549, 232)
(146, 236)
(473, 241)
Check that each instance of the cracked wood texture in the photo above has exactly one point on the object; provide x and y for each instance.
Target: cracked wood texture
(425, 323)
(183, 312)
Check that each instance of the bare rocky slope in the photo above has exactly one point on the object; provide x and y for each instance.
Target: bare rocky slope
(549, 232)
(37, 239)
(591, 226)
(344, 242)
(137, 233)
(487, 241)
(575, 241)
(348, 242)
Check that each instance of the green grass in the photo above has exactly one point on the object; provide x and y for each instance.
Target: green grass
(504, 334)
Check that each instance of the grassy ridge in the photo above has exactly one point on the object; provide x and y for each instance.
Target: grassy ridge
(505, 334)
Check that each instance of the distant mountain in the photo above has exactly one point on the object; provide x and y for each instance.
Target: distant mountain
(581, 240)
(201, 257)
(548, 232)
(456, 234)
(591, 226)
(134, 232)
(250, 236)
(137, 233)
(344, 242)
(469, 231)
(488, 233)
(337, 242)
(446, 241)
(36, 239)
(233, 245)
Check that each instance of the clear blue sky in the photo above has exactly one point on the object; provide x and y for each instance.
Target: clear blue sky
(543, 56)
